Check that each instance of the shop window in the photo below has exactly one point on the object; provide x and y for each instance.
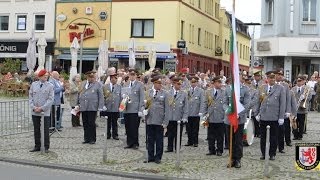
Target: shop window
(39, 22)
(21, 22)
(309, 10)
(142, 28)
(4, 23)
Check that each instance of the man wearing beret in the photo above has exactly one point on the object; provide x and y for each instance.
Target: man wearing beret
(196, 102)
(214, 110)
(157, 119)
(41, 95)
(178, 111)
(271, 113)
(133, 110)
(90, 100)
(301, 95)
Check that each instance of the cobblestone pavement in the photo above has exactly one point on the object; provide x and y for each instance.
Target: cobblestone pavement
(69, 150)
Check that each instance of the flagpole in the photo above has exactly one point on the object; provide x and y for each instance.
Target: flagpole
(231, 129)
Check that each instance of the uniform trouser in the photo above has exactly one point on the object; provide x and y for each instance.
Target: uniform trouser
(215, 134)
(112, 123)
(132, 122)
(75, 120)
(172, 134)
(256, 126)
(55, 116)
(89, 125)
(155, 142)
(274, 127)
(287, 131)
(193, 129)
(305, 124)
(237, 142)
(281, 130)
(312, 102)
(300, 125)
(37, 132)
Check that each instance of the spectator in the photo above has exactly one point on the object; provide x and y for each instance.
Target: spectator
(311, 83)
(73, 95)
(8, 76)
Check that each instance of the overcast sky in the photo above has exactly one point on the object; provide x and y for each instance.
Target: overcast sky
(247, 11)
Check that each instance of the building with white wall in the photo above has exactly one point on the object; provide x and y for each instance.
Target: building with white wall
(290, 36)
(17, 20)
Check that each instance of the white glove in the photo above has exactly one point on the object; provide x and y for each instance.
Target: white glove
(164, 126)
(184, 120)
(200, 114)
(140, 114)
(104, 108)
(302, 97)
(281, 121)
(76, 108)
(258, 118)
(145, 112)
(287, 115)
(123, 96)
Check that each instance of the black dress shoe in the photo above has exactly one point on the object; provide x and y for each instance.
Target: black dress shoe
(282, 152)
(219, 154)
(46, 151)
(145, 161)
(295, 138)
(195, 145)
(168, 151)
(157, 161)
(85, 142)
(92, 142)
(299, 138)
(135, 147)
(237, 164)
(108, 137)
(188, 144)
(116, 138)
(34, 150)
(262, 158)
(211, 153)
(128, 147)
(272, 158)
(289, 144)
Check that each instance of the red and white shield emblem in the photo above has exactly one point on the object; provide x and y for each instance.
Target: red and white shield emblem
(307, 156)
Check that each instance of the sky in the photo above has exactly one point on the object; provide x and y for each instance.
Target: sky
(247, 11)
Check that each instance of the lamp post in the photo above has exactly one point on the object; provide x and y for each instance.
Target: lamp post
(81, 44)
(252, 45)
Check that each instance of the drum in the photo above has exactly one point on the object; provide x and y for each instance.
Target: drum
(248, 131)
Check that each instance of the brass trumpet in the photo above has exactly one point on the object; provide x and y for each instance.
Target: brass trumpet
(302, 103)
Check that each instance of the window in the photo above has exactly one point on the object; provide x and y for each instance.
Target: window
(39, 22)
(240, 50)
(21, 22)
(225, 46)
(199, 4)
(216, 40)
(199, 36)
(309, 10)
(182, 30)
(142, 28)
(269, 10)
(4, 23)
(217, 10)
(190, 33)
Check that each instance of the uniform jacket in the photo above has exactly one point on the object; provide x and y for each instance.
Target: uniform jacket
(196, 101)
(73, 94)
(257, 85)
(297, 96)
(58, 90)
(112, 98)
(254, 100)
(90, 99)
(293, 102)
(178, 107)
(215, 107)
(159, 106)
(41, 97)
(136, 96)
(273, 105)
(287, 91)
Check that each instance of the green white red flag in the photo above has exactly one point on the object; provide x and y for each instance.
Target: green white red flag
(235, 107)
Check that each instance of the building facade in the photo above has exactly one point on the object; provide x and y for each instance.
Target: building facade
(201, 26)
(91, 17)
(17, 20)
(290, 36)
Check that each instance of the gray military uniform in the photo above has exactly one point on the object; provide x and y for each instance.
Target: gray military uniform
(41, 97)
(112, 97)
(217, 108)
(159, 106)
(90, 98)
(196, 101)
(178, 106)
(136, 96)
(297, 96)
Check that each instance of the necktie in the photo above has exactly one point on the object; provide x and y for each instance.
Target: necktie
(175, 94)
(256, 85)
(155, 95)
(192, 91)
(112, 89)
(216, 93)
(299, 90)
(269, 90)
(131, 83)
(41, 85)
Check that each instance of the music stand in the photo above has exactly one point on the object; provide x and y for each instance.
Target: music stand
(53, 123)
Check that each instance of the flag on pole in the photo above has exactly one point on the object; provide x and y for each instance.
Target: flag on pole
(235, 107)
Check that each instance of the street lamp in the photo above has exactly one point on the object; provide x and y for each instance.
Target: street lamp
(252, 44)
(81, 43)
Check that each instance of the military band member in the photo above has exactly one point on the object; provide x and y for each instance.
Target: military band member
(134, 109)
(237, 137)
(293, 115)
(90, 100)
(271, 112)
(178, 111)
(112, 95)
(41, 97)
(257, 81)
(214, 109)
(281, 133)
(157, 119)
(196, 102)
(301, 93)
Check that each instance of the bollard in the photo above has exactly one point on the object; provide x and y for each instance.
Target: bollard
(42, 149)
(266, 162)
(178, 145)
(104, 155)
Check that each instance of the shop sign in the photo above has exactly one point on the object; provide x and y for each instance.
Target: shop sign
(88, 33)
(263, 46)
(61, 18)
(181, 44)
(314, 46)
(142, 46)
(7, 48)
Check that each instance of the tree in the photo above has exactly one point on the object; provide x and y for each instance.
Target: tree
(10, 65)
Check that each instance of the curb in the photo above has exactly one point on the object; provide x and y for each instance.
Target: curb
(86, 170)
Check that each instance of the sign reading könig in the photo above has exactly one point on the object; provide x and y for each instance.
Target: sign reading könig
(88, 33)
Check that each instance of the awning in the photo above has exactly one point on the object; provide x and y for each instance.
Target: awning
(85, 57)
(160, 56)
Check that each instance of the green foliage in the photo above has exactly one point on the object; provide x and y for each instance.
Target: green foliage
(64, 75)
(10, 65)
